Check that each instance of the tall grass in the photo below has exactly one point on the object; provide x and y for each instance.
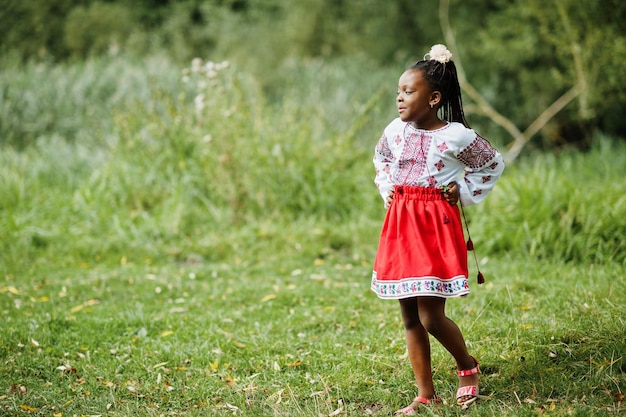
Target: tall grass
(566, 206)
(165, 167)
(113, 157)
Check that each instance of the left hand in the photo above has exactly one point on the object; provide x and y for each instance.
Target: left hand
(451, 193)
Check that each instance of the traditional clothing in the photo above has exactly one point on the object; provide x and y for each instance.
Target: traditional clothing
(422, 249)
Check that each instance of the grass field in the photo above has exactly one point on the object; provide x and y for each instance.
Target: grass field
(166, 254)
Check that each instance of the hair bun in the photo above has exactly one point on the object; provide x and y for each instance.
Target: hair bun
(439, 53)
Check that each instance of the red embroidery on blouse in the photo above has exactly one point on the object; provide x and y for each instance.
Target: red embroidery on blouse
(477, 153)
(412, 162)
(440, 165)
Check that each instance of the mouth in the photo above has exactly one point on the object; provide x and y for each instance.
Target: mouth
(401, 109)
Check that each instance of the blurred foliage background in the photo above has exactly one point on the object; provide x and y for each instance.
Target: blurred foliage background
(520, 55)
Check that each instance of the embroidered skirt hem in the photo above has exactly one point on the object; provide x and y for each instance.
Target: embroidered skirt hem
(420, 287)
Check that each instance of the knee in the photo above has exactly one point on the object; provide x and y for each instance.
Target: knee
(431, 322)
(411, 322)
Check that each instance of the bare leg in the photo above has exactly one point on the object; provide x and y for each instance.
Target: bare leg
(433, 318)
(418, 346)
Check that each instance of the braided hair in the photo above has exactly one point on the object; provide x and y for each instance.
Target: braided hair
(443, 77)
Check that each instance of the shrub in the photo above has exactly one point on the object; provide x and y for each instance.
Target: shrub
(99, 28)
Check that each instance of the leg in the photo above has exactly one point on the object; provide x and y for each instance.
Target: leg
(433, 317)
(418, 346)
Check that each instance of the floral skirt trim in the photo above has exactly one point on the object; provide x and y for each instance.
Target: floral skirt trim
(420, 287)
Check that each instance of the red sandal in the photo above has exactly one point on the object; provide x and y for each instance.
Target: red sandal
(470, 391)
(410, 410)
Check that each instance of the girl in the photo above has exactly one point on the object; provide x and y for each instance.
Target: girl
(422, 255)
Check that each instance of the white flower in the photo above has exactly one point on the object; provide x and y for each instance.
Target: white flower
(196, 65)
(440, 53)
(199, 102)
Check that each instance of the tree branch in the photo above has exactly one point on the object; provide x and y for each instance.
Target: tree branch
(520, 139)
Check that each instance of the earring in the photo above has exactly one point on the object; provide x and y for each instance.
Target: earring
(432, 105)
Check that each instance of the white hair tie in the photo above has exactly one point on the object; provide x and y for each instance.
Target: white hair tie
(439, 53)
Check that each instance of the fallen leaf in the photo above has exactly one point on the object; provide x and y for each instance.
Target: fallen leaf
(230, 380)
(168, 387)
(336, 412)
(63, 368)
(87, 303)
(233, 408)
(166, 333)
(12, 290)
(619, 396)
(28, 408)
(159, 365)
(268, 297)
(18, 389)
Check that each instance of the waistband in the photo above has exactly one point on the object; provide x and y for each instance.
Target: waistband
(418, 193)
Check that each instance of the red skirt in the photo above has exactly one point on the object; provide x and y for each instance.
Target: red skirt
(422, 249)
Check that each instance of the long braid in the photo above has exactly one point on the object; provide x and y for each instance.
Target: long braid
(443, 77)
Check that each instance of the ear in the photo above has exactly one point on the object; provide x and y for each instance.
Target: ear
(435, 99)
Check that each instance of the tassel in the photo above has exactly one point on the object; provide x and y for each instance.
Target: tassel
(470, 247)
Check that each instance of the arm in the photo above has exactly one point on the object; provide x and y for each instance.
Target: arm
(484, 165)
(383, 160)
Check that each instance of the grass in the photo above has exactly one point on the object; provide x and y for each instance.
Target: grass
(171, 259)
(303, 337)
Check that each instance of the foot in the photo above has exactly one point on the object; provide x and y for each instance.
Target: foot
(468, 385)
(417, 402)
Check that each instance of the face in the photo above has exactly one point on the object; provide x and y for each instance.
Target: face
(415, 97)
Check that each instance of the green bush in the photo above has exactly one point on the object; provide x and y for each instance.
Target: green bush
(198, 161)
(99, 28)
(565, 206)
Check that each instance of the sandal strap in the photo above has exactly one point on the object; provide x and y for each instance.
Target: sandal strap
(427, 401)
(467, 391)
(467, 372)
(410, 410)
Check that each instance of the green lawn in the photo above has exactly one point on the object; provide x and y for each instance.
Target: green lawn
(300, 336)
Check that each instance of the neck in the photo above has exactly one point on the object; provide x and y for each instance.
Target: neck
(429, 125)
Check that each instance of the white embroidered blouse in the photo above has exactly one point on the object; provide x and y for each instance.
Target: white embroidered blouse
(405, 155)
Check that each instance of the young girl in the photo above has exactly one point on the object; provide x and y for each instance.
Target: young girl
(422, 255)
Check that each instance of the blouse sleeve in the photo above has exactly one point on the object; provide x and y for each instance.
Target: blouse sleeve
(483, 166)
(383, 159)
